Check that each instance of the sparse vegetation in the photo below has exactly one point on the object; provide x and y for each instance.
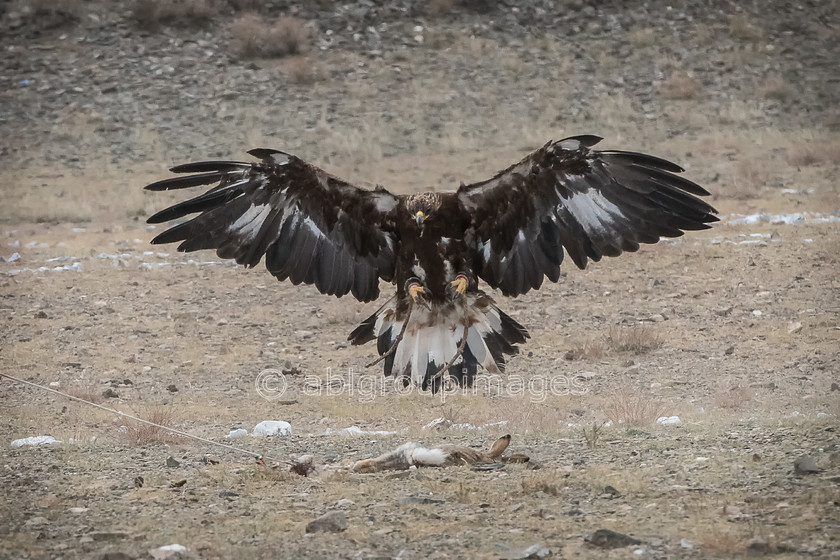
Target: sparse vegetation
(549, 482)
(140, 433)
(679, 86)
(814, 153)
(439, 8)
(48, 14)
(740, 27)
(629, 406)
(775, 87)
(641, 38)
(748, 180)
(254, 37)
(149, 14)
(637, 339)
(733, 398)
(592, 435)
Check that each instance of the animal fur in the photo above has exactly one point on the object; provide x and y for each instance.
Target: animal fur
(413, 454)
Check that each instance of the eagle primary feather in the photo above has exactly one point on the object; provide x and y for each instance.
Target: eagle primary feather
(510, 231)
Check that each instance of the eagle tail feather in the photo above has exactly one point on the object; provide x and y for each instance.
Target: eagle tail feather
(433, 336)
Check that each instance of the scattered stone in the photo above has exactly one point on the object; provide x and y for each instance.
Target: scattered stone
(604, 538)
(104, 536)
(330, 522)
(110, 394)
(271, 428)
(758, 547)
(533, 552)
(41, 315)
(139, 481)
(177, 483)
(239, 432)
(36, 521)
(794, 327)
(77, 509)
(805, 465)
(35, 440)
(611, 490)
(303, 465)
(414, 500)
(835, 386)
(171, 462)
(344, 502)
(172, 388)
(227, 494)
(684, 543)
(168, 551)
(669, 420)
(729, 350)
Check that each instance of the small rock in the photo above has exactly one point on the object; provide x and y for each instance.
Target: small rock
(604, 538)
(139, 482)
(729, 350)
(794, 327)
(228, 494)
(172, 388)
(805, 465)
(412, 500)
(835, 386)
(669, 420)
(272, 427)
(177, 483)
(171, 462)
(35, 440)
(110, 394)
(611, 490)
(533, 552)
(330, 522)
(757, 547)
(684, 543)
(168, 551)
(344, 502)
(41, 315)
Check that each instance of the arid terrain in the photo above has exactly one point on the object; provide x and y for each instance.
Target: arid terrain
(734, 330)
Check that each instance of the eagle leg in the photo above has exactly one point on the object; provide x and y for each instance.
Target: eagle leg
(417, 292)
(460, 284)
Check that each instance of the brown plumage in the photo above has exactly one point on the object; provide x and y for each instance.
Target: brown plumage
(510, 232)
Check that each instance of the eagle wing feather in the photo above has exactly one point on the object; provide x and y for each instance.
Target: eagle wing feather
(310, 226)
(589, 203)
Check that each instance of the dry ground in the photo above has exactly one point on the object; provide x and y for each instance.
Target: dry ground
(736, 330)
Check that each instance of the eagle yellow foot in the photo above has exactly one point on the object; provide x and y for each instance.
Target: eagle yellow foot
(460, 284)
(416, 292)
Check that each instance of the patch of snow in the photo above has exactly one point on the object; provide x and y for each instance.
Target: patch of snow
(669, 420)
(237, 433)
(271, 428)
(35, 440)
(795, 218)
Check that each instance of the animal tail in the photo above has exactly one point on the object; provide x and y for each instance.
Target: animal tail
(432, 337)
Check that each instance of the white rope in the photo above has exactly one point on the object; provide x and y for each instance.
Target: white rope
(126, 415)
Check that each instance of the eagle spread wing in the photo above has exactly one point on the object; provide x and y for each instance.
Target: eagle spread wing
(312, 227)
(510, 231)
(565, 195)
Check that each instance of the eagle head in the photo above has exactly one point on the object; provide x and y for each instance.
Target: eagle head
(421, 206)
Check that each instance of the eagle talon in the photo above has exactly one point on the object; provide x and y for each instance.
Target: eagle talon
(460, 284)
(416, 292)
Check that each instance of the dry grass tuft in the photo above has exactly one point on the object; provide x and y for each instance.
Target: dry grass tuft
(592, 435)
(48, 14)
(439, 8)
(139, 433)
(641, 38)
(301, 70)
(740, 27)
(747, 181)
(86, 390)
(775, 87)
(679, 86)
(813, 153)
(590, 350)
(631, 407)
(733, 398)
(253, 37)
(637, 339)
(550, 482)
(149, 14)
(719, 542)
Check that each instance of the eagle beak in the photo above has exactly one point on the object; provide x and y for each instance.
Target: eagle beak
(420, 217)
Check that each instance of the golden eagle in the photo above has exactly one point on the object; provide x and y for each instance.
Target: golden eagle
(509, 231)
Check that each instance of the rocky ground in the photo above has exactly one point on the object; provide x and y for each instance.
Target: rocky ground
(734, 330)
